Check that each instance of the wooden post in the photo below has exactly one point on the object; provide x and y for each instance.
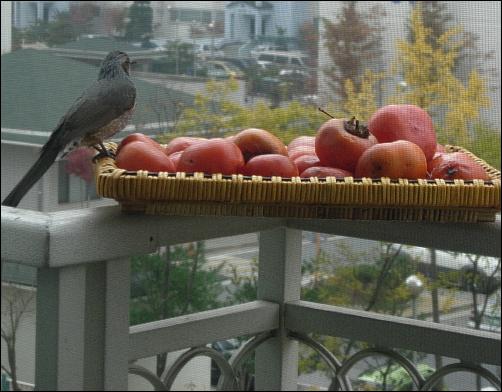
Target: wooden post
(279, 280)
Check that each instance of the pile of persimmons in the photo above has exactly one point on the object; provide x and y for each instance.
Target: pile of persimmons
(399, 141)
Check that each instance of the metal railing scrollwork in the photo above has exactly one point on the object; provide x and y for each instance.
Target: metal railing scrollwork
(233, 378)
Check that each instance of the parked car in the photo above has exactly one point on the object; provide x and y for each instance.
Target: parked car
(207, 50)
(227, 348)
(221, 70)
(293, 59)
(244, 64)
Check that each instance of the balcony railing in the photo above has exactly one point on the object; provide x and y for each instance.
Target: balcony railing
(83, 338)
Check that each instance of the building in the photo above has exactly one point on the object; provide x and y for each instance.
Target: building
(27, 13)
(248, 20)
(6, 26)
(185, 20)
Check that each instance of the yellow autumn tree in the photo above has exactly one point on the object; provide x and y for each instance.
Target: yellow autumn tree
(215, 114)
(362, 103)
(428, 72)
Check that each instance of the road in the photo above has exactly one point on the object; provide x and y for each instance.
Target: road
(238, 251)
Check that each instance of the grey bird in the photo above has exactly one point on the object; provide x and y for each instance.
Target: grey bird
(102, 110)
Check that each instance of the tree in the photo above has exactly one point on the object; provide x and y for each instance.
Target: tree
(308, 42)
(476, 282)
(438, 19)
(378, 285)
(140, 21)
(354, 44)
(215, 114)
(57, 32)
(362, 103)
(172, 284)
(244, 288)
(17, 38)
(82, 14)
(113, 20)
(428, 71)
(15, 305)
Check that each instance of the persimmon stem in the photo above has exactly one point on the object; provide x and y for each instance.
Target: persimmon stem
(325, 112)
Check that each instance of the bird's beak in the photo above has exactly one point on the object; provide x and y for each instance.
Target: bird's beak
(133, 62)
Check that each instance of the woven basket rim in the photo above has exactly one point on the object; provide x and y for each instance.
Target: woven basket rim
(114, 170)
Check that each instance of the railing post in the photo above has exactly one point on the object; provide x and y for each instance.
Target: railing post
(60, 336)
(118, 280)
(82, 331)
(279, 280)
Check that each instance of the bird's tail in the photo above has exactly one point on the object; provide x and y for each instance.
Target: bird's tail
(44, 161)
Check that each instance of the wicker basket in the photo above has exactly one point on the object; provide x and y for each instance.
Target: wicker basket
(348, 198)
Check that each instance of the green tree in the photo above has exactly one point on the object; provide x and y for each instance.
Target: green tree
(438, 19)
(243, 288)
(140, 21)
(57, 32)
(214, 114)
(172, 284)
(428, 70)
(354, 44)
(17, 38)
(377, 286)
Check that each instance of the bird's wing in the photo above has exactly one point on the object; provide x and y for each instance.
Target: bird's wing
(100, 104)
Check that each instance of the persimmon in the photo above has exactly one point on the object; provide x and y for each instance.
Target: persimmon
(301, 141)
(298, 151)
(340, 142)
(134, 137)
(457, 166)
(181, 143)
(404, 122)
(399, 159)
(211, 156)
(323, 171)
(140, 155)
(305, 161)
(269, 165)
(255, 141)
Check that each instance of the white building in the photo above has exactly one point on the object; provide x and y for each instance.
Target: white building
(6, 26)
(176, 20)
(26, 13)
(247, 20)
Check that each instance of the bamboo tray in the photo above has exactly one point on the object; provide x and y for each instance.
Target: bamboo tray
(348, 198)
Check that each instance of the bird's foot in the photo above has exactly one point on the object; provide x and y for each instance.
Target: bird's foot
(103, 154)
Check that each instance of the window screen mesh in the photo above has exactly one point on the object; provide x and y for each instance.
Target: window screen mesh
(211, 69)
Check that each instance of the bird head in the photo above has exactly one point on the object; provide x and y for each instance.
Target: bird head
(113, 62)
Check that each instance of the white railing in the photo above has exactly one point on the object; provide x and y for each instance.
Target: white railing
(83, 338)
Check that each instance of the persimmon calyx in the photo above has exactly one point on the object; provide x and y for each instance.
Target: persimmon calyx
(354, 127)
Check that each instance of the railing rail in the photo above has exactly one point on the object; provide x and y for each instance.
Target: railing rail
(82, 258)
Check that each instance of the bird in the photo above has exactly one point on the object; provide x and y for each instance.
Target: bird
(102, 110)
